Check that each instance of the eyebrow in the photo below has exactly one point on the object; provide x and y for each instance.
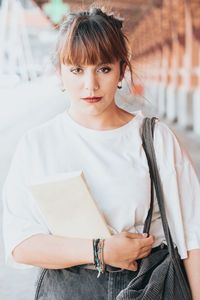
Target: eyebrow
(100, 64)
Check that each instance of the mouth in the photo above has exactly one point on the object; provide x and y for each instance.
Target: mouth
(92, 99)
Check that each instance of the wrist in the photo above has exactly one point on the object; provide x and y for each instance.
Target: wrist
(106, 251)
(87, 252)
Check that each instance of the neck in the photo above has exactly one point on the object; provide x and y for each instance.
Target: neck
(113, 117)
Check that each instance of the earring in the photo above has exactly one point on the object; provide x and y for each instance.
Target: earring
(120, 86)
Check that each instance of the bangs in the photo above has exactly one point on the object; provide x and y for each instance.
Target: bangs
(89, 43)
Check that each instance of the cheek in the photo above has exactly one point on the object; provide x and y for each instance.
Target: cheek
(110, 84)
(71, 84)
(109, 78)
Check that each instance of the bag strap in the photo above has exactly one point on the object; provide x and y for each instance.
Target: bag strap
(147, 223)
(147, 140)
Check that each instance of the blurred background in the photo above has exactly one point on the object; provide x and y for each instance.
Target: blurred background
(165, 43)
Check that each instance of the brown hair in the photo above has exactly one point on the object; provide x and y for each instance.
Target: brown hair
(91, 37)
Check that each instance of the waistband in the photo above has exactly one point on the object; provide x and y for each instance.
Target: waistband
(112, 269)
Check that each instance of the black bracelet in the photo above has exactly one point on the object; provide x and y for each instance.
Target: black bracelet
(94, 242)
(95, 248)
(98, 245)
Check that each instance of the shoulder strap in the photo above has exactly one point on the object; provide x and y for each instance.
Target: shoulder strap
(147, 223)
(147, 139)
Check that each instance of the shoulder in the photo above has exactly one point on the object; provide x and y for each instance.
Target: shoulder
(49, 127)
(170, 151)
(42, 132)
(40, 137)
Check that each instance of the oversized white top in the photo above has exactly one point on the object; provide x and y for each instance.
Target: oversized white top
(116, 170)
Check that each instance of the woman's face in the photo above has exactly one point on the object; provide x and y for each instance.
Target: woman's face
(84, 83)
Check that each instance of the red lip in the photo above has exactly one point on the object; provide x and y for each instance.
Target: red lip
(92, 99)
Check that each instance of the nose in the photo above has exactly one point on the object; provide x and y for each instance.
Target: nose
(91, 82)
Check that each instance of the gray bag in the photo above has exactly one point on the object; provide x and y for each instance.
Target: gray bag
(161, 275)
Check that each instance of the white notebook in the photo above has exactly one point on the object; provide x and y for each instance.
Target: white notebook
(69, 208)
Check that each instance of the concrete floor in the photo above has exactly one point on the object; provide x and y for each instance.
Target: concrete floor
(24, 108)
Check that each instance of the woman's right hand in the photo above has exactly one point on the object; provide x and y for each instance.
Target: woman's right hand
(123, 249)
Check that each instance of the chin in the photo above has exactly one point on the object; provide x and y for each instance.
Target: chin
(92, 111)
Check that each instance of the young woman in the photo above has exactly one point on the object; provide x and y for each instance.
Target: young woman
(104, 141)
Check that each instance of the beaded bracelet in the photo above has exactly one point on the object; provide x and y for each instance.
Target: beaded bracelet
(98, 245)
(100, 256)
(95, 244)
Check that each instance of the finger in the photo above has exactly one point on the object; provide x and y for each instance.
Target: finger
(144, 254)
(144, 251)
(135, 235)
(145, 242)
(133, 266)
(146, 248)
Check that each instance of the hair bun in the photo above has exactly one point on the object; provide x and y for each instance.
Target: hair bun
(118, 21)
(96, 11)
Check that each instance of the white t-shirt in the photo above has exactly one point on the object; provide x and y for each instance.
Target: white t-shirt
(116, 170)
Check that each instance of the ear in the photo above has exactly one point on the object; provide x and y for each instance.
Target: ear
(123, 66)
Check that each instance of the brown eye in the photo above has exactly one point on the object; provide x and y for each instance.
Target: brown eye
(76, 70)
(105, 69)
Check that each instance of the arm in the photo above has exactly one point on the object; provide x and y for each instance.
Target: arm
(192, 267)
(55, 252)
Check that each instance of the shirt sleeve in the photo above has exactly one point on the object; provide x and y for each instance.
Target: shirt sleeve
(21, 216)
(181, 189)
